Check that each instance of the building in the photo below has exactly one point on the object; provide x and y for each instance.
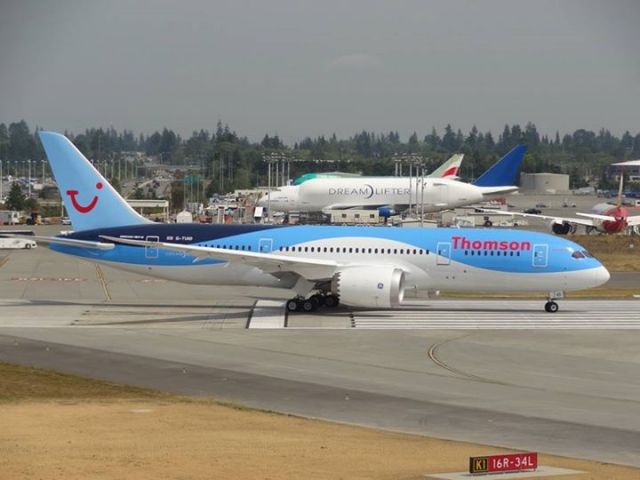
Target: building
(542, 183)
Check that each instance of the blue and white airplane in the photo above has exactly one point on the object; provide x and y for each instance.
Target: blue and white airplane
(357, 266)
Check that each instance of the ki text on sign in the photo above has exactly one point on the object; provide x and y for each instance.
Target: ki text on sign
(512, 462)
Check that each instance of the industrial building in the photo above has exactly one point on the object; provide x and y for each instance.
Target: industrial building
(544, 183)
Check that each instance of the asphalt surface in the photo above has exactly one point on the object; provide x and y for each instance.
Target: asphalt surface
(573, 392)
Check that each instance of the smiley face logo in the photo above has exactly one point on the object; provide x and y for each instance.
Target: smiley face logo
(84, 208)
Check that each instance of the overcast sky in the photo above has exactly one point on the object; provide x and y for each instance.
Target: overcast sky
(299, 68)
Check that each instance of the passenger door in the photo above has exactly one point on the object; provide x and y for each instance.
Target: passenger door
(151, 251)
(540, 255)
(443, 253)
(265, 245)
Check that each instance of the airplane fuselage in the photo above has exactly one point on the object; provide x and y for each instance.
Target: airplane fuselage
(619, 213)
(439, 259)
(324, 194)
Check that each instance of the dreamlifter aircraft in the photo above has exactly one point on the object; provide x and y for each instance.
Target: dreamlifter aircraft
(327, 193)
(358, 266)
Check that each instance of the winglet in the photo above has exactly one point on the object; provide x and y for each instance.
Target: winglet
(504, 171)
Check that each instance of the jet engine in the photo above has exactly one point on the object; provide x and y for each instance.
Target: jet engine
(379, 287)
(561, 228)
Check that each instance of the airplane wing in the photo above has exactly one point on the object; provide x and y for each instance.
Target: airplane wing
(633, 221)
(70, 242)
(311, 269)
(595, 216)
(577, 221)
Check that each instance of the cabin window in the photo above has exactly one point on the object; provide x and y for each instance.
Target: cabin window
(325, 249)
(331, 249)
(401, 251)
(375, 250)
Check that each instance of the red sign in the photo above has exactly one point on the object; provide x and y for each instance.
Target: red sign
(511, 462)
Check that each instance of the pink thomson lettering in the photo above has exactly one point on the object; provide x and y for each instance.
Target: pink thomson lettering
(464, 243)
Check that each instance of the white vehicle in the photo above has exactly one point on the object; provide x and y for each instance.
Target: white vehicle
(9, 217)
(16, 243)
(327, 193)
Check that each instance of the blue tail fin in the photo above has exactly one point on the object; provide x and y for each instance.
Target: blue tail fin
(88, 197)
(503, 173)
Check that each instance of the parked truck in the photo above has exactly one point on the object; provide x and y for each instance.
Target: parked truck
(9, 217)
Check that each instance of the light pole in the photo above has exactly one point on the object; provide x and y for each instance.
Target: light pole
(29, 179)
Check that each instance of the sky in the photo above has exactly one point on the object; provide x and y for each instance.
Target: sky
(300, 68)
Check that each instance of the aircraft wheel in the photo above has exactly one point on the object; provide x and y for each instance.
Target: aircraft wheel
(551, 307)
(308, 305)
(331, 301)
(318, 299)
(292, 305)
(28, 246)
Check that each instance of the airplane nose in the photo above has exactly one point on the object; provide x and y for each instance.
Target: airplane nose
(602, 276)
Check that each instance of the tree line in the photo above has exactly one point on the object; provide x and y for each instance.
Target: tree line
(229, 160)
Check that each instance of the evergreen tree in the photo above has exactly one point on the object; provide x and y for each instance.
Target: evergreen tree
(16, 199)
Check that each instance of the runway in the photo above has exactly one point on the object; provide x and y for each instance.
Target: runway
(443, 368)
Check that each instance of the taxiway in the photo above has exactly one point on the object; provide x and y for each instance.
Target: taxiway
(568, 391)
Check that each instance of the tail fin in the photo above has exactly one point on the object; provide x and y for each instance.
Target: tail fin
(88, 197)
(504, 171)
(620, 189)
(450, 168)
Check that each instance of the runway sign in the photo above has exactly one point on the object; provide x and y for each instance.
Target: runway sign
(512, 462)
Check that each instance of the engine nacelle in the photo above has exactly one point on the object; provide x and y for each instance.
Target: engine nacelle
(378, 287)
(560, 228)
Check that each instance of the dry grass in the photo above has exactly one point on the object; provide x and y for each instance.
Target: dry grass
(619, 253)
(112, 431)
(29, 383)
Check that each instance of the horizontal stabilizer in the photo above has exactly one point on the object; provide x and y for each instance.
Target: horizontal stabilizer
(70, 242)
(497, 191)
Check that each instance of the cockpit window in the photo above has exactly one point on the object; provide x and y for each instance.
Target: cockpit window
(587, 254)
(577, 255)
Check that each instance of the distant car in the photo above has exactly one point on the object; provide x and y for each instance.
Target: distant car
(535, 211)
(66, 221)
(540, 205)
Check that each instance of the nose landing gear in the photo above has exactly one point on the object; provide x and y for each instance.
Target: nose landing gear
(551, 306)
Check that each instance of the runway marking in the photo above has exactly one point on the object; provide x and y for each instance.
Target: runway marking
(4, 261)
(103, 282)
(490, 315)
(48, 279)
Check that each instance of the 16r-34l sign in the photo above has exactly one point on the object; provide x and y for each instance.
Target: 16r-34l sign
(512, 462)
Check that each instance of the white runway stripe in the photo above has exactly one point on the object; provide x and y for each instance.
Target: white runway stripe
(514, 315)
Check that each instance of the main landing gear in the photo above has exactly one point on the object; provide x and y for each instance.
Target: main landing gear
(311, 304)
